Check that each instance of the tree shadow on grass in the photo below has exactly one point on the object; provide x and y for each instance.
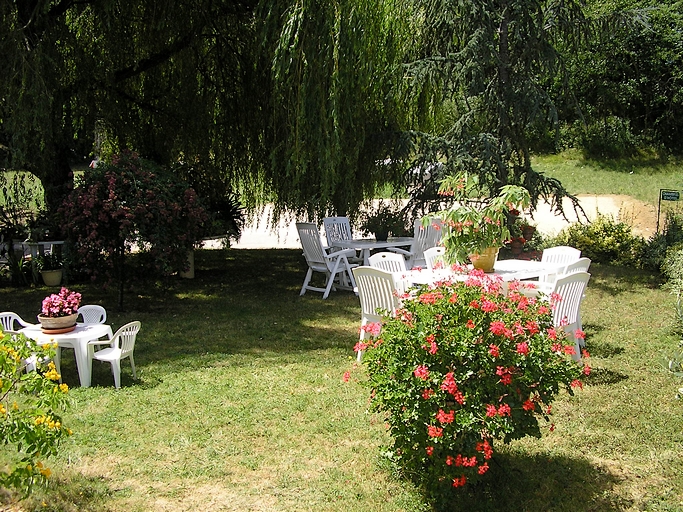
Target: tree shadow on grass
(539, 483)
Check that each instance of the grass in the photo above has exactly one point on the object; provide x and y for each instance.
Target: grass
(241, 405)
(640, 178)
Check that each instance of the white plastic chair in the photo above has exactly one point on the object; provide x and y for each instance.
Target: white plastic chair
(378, 295)
(394, 263)
(566, 311)
(9, 321)
(560, 255)
(424, 237)
(121, 346)
(335, 265)
(92, 314)
(434, 257)
(339, 228)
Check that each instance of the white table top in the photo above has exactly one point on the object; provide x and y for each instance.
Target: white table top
(371, 243)
(82, 331)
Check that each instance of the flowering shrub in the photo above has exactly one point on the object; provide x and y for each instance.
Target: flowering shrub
(460, 366)
(29, 405)
(128, 203)
(64, 303)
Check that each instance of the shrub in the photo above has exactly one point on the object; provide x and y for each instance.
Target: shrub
(460, 366)
(29, 405)
(658, 245)
(605, 240)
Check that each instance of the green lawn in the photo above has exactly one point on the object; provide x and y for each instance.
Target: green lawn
(241, 405)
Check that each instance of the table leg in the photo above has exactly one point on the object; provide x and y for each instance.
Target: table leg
(84, 363)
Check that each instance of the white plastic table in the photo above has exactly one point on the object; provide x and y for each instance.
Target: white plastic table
(365, 245)
(78, 340)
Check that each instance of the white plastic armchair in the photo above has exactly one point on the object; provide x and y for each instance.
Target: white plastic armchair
(339, 228)
(92, 314)
(424, 237)
(10, 320)
(560, 255)
(378, 296)
(394, 263)
(120, 346)
(434, 258)
(335, 265)
(566, 311)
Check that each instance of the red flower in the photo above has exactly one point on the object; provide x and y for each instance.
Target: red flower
(433, 431)
(347, 376)
(459, 482)
(427, 394)
(445, 417)
(491, 411)
(528, 405)
(494, 351)
(483, 468)
(485, 448)
(497, 328)
(579, 334)
(586, 370)
(504, 410)
(569, 350)
(523, 348)
(470, 324)
(429, 450)
(576, 383)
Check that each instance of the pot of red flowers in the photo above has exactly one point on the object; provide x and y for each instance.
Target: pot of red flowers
(59, 311)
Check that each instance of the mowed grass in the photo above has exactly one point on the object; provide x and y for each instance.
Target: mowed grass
(241, 405)
(639, 177)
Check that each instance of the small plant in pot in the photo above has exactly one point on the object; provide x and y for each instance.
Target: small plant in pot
(59, 311)
(382, 221)
(477, 228)
(51, 268)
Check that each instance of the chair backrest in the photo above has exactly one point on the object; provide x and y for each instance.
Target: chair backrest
(570, 288)
(561, 254)
(425, 236)
(377, 293)
(580, 265)
(92, 314)
(388, 261)
(337, 228)
(434, 257)
(124, 338)
(8, 319)
(313, 247)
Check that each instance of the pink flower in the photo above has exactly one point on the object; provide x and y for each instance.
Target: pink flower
(427, 393)
(504, 410)
(429, 450)
(347, 376)
(491, 411)
(497, 328)
(523, 348)
(576, 383)
(579, 334)
(421, 372)
(494, 351)
(528, 405)
(372, 328)
(470, 324)
(586, 370)
(445, 417)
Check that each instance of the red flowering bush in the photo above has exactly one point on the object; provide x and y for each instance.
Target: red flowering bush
(463, 365)
(129, 203)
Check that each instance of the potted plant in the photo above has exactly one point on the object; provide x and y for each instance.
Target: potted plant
(526, 228)
(51, 268)
(59, 311)
(383, 220)
(477, 228)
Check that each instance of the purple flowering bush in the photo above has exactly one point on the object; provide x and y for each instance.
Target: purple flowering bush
(461, 366)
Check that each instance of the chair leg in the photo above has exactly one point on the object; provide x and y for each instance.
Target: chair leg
(132, 366)
(307, 280)
(116, 370)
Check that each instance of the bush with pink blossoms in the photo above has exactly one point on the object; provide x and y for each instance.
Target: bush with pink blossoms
(461, 367)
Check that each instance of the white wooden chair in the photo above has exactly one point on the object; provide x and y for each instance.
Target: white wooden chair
(378, 296)
(120, 346)
(424, 237)
(334, 265)
(566, 311)
(434, 258)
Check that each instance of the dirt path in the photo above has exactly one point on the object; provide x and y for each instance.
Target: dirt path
(642, 216)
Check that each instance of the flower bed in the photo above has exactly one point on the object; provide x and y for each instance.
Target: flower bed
(463, 365)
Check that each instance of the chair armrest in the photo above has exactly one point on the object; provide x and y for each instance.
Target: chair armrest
(99, 342)
(400, 251)
(342, 252)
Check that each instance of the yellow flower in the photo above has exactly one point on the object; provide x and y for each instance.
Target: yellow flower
(46, 472)
(15, 406)
(64, 388)
(2, 409)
